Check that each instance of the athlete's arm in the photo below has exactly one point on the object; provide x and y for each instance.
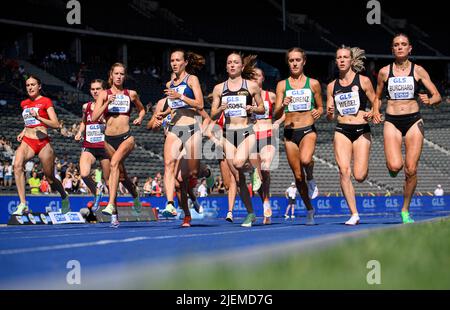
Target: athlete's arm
(330, 101)
(20, 135)
(193, 83)
(155, 121)
(423, 75)
(82, 124)
(101, 104)
(216, 106)
(52, 122)
(317, 90)
(139, 106)
(382, 75)
(256, 93)
(370, 93)
(279, 100)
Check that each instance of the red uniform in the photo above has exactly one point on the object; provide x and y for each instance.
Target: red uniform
(268, 107)
(40, 106)
(121, 105)
(94, 136)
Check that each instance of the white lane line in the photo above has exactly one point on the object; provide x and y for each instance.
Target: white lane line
(107, 242)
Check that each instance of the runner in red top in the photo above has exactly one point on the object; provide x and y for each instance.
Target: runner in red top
(115, 105)
(266, 133)
(38, 115)
(93, 144)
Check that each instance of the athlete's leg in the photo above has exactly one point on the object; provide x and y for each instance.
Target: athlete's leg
(23, 154)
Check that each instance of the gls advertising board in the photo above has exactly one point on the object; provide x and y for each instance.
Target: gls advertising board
(217, 206)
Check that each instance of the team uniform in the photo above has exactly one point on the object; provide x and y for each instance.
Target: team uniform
(402, 88)
(264, 137)
(120, 106)
(302, 101)
(349, 100)
(183, 132)
(94, 135)
(236, 107)
(40, 106)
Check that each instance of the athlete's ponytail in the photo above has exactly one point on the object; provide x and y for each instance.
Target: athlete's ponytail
(357, 55)
(117, 64)
(249, 67)
(194, 61)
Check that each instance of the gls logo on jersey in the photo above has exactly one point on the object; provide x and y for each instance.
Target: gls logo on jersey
(400, 80)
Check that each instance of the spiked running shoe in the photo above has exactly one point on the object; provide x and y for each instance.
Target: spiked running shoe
(256, 180)
(313, 190)
(169, 211)
(310, 218)
(354, 220)
(109, 210)
(406, 218)
(114, 221)
(249, 220)
(137, 206)
(186, 221)
(229, 217)
(20, 209)
(65, 205)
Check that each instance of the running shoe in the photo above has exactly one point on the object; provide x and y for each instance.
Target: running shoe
(286, 216)
(186, 221)
(267, 213)
(249, 220)
(197, 207)
(406, 218)
(313, 190)
(109, 210)
(292, 216)
(210, 179)
(229, 217)
(65, 205)
(354, 220)
(169, 211)
(267, 209)
(137, 206)
(393, 174)
(256, 180)
(310, 218)
(98, 197)
(114, 221)
(20, 209)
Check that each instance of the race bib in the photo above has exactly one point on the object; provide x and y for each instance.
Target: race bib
(301, 99)
(401, 87)
(28, 118)
(266, 113)
(94, 133)
(120, 105)
(347, 103)
(235, 106)
(177, 103)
